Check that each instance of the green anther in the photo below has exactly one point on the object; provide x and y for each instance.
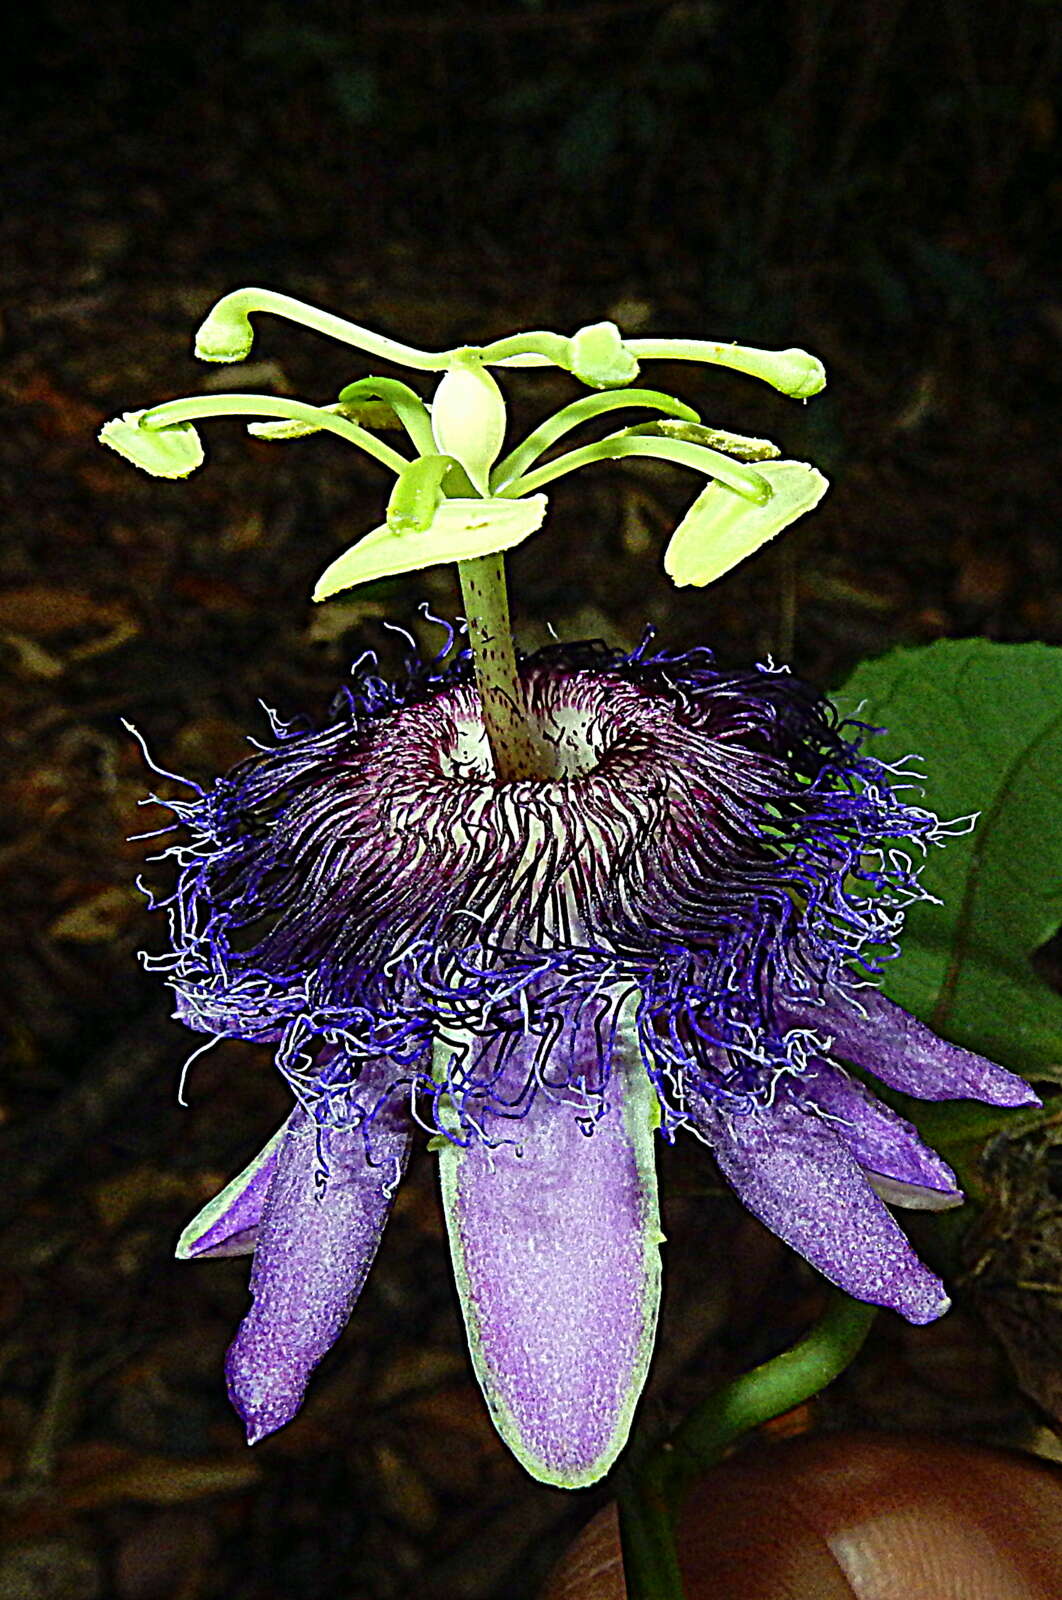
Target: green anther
(416, 495)
(720, 529)
(167, 452)
(732, 444)
(289, 428)
(371, 414)
(225, 334)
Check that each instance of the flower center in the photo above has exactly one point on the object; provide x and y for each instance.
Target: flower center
(569, 714)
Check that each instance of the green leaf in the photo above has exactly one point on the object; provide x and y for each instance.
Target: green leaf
(460, 531)
(168, 452)
(987, 719)
(721, 528)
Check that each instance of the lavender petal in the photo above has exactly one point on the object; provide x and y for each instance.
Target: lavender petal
(228, 1224)
(872, 1033)
(803, 1182)
(555, 1248)
(316, 1243)
(897, 1165)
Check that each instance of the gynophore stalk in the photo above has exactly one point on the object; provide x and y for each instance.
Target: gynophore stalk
(515, 750)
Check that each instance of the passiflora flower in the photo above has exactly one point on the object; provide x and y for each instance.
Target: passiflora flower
(682, 928)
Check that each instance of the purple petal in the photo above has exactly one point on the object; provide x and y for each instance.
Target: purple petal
(898, 1166)
(316, 1242)
(802, 1181)
(871, 1032)
(228, 1224)
(555, 1247)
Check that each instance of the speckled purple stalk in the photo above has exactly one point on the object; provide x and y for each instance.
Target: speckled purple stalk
(516, 751)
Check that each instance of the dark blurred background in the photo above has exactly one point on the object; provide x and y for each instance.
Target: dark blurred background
(876, 180)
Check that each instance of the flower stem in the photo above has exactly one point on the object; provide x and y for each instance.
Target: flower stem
(652, 1496)
(769, 1390)
(515, 750)
(647, 1533)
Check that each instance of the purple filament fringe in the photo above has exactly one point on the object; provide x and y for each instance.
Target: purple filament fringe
(354, 892)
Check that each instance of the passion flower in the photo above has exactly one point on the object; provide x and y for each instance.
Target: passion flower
(682, 927)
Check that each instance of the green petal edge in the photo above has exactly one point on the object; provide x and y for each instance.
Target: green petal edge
(190, 1244)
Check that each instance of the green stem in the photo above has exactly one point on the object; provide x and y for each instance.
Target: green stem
(647, 1533)
(651, 1497)
(515, 751)
(196, 407)
(769, 1390)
